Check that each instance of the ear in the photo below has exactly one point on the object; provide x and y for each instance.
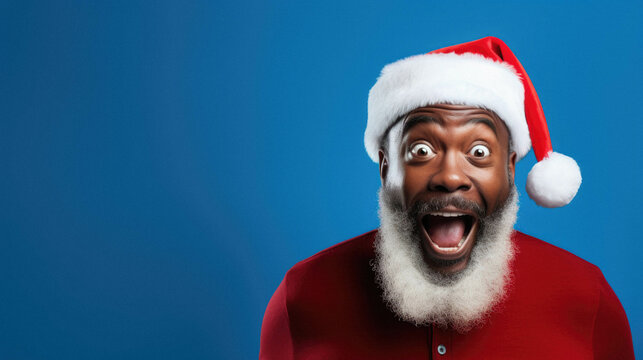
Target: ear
(383, 165)
(511, 166)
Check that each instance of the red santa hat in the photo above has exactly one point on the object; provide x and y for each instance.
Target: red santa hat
(483, 73)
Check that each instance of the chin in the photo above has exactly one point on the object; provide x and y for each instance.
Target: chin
(455, 280)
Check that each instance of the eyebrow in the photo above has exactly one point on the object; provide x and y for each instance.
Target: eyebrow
(420, 119)
(423, 119)
(487, 122)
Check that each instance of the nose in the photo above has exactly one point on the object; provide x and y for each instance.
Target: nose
(450, 177)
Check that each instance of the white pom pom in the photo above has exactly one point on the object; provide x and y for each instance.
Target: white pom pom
(554, 181)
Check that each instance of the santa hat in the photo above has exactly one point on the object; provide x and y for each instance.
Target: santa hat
(483, 73)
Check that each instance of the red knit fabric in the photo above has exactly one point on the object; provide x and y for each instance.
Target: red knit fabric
(557, 307)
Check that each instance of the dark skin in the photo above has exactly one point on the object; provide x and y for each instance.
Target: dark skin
(450, 150)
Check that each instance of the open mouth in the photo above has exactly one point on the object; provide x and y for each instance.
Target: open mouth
(449, 233)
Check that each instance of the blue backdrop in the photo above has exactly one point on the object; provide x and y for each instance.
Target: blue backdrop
(165, 163)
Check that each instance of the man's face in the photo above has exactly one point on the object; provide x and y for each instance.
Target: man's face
(450, 166)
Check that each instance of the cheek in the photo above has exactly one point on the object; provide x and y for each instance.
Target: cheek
(415, 181)
(493, 184)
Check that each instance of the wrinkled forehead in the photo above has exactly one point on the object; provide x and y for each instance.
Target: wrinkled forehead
(443, 115)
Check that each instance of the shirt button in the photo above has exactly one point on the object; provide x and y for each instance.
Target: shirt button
(442, 349)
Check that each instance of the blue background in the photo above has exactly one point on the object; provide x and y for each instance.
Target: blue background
(165, 163)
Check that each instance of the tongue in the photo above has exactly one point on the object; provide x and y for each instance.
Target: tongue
(445, 231)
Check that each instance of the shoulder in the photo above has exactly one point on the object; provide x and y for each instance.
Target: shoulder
(546, 275)
(551, 258)
(562, 280)
(343, 263)
(558, 293)
(321, 281)
(357, 249)
(338, 278)
(580, 288)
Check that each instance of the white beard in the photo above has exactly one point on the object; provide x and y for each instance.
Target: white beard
(420, 295)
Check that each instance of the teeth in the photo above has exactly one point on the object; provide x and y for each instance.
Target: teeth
(446, 214)
(462, 240)
(455, 247)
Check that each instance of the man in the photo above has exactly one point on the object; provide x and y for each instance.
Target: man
(446, 276)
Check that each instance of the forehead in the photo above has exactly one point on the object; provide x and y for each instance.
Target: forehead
(448, 115)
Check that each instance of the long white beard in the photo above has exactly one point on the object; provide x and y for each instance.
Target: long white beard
(418, 294)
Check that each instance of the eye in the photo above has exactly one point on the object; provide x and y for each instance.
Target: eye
(479, 151)
(420, 150)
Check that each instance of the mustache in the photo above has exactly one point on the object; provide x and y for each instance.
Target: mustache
(437, 204)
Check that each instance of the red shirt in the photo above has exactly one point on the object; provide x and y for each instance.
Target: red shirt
(558, 306)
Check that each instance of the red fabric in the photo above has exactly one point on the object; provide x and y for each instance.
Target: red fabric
(495, 49)
(557, 307)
